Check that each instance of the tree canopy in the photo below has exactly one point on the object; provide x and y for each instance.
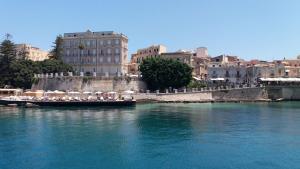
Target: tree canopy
(160, 73)
(20, 72)
(7, 56)
(57, 50)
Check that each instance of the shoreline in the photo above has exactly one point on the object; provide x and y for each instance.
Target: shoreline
(212, 101)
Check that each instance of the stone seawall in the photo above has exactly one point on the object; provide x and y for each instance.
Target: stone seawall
(88, 84)
(172, 97)
(284, 92)
(230, 95)
(245, 94)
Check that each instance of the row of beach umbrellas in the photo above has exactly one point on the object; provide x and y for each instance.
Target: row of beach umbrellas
(74, 92)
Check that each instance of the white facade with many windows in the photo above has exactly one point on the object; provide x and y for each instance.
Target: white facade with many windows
(103, 53)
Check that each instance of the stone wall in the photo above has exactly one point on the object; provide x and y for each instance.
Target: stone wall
(88, 84)
(178, 97)
(245, 94)
(284, 92)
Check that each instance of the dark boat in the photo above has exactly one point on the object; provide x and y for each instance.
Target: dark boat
(83, 103)
(7, 102)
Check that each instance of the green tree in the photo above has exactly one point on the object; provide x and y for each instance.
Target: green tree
(57, 51)
(23, 54)
(52, 66)
(19, 72)
(22, 72)
(160, 73)
(7, 56)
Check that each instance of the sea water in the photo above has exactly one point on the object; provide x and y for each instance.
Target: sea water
(152, 136)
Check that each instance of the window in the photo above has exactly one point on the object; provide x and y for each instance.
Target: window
(93, 42)
(101, 59)
(117, 50)
(109, 42)
(108, 59)
(108, 51)
(101, 42)
(94, 52)
(117, 59)
(117, 41)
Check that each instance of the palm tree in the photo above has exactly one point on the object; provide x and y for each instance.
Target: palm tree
(80, 47)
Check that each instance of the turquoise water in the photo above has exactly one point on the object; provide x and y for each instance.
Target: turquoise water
(175, 136)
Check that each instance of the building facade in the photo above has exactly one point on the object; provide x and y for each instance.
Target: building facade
(259, 69)
(200, 67)
(151, 51)
(99, 53)
(201, 52)
(229, 69)
(182, 56)
(33, 53)
(287, 68)
(141, 54)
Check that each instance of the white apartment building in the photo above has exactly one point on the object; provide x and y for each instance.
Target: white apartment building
(100, 53)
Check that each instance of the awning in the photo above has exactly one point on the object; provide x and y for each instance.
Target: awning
(196, 78)
(129, 92)
(73, 92)
(280, 79)
(217, 79)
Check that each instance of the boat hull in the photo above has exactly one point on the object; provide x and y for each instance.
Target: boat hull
(13, 102)
(82, 103)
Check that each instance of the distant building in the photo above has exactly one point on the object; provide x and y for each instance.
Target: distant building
(33, 53)
(141, 54)
(201, 52)
(287, 68)
(100, 53)
(259, 69)
(182, 56)
(200, 67)
(152, 51)
(229, 69)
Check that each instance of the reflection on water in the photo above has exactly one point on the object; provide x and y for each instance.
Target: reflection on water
(257, 135)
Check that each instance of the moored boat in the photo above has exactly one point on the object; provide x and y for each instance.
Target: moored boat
(12, 100)
(83, 103)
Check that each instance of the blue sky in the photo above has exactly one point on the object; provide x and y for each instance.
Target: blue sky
(263, 29)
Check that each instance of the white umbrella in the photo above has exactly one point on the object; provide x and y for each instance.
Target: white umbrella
(73, 92)
(58, 92)
(98, 92)
(49, 92)
(87, 92)
(129, 92)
